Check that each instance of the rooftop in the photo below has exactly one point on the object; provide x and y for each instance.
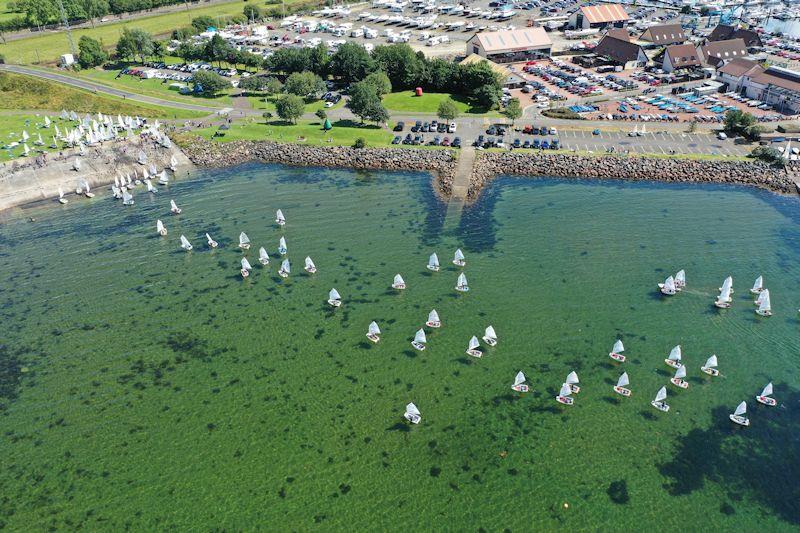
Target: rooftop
(604, 13)
(498, 41)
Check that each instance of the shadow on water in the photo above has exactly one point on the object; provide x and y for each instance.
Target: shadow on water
(10, 375)
(761, 460)
(399, 427)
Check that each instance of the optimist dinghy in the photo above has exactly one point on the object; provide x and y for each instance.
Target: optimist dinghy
(419, 340)
(412, 414)
(766, 396)
(739, 416)
(659, 401)
(622, 383)
(472, 348)
(433, 320)
(374, 332)
(564, 395)
(519, 383)
(616, 352)
(334, 298)
(490, 336)
(710, 367)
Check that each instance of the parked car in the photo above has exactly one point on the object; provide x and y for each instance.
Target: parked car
(396, 139)
(399, 126)
(456, 142)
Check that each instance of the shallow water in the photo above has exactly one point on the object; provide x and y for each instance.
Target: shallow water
(145, 387)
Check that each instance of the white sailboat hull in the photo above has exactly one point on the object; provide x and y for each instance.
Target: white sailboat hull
(264, 262)
(679, 383)
(63, 201)
(710, 371)
(459, 262)
(414, 419)
(163, 232)
(418, 345)
(475, 353)
(722, 305)
(566, 400)
(374, 338)
(461, 288)
(763, 312)
(245, 246)
(433, 268)
(335, 303)
(574, 388)
(433, 324)
(520, 388)
(398, 286)
(661, 406)
(283, 273)
(311, 270)
(490, 341)
(213, 244)
(622, 391)
(741, 420)
(245, 273)
(673, 363)
(617, 357)
(766, 400)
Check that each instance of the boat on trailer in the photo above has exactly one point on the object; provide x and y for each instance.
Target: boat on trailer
(472, 348)
(433, 263)
(334, 298)
(374, 332)
(659, 401)
(739, 416)
(674, 359)
(616, 352)
(419, 340)
(621, 386)
(564, 395)
(678, 380)
(433, 320)
(519, 383)
(490, 336)
(766, 396)
(412, 414)
(710, 367)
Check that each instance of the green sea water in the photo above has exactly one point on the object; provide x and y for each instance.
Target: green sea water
(147, 388)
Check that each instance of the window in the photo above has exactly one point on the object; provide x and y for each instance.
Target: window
(475, 49)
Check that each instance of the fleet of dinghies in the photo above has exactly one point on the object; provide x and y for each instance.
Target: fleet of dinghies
(724, 300)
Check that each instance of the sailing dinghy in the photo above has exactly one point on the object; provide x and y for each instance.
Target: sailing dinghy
(678, 380)
(160, 228)
(458, 258)
(412, 414)
(490, 336)
(668, 287)
(680, 280)
(728, 282)
(622, 383)
(173, 208)
(766, 396)
(334, 298)
(572, 381)
(739, 416)
(127, 198)
(86, 191)
(674, 359)
(765, 307)
(374, 332)
(659, 402)
(285, 269)
(279, 218)
(433, 320)
(419, 340)
(472, 348)
(724, 299)
(758, 286)
(710, 367)
(61, 198)
(519, 383)
(433, 263)
(616, 352)
(310, 267)
(246, 268)
(173, 163)
(564, 395)
(282, 249)
(398, 283)
(244, 241)
(263, 256)
(150, 187)
(461, 284)
(211, 242)
(185, 244)
(162, 178)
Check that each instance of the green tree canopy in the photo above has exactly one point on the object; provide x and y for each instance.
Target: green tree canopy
(513, 110)
(304, 84)
(289, 60)
(401, 64)
(91, 52)
(252, 12)
(133, 43)
(202, 23)
(209, 83)
(351, 62)
(447, 110)
(290, 107)
(379, 81)
(366, 104)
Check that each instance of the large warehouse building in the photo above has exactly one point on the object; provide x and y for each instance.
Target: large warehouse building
(511, 45)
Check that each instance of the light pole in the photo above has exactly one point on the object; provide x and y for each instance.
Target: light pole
(66, 24)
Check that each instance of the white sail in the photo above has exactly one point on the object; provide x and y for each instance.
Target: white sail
(473, 343)
(310, 264)
(725, 294)
(462, 280)
(162, 178)
(458, 256)
(60, 192)
(740, 409)
(334, 295)
(760, 297)
(728, 283)
(433, 316)
(565, 390)
(680, 373)
(46, 121)
(411, 409)
(669, 284)
(374, 329)
(246, 264)
(243, 239)
(758, 285)
(711, 362)
(76, 164)
(433, 260)
(618, 347)
(185, 244)
(262, 254)
(572, 378)
(142, 158)
(623, 380)
(25, 135)
(173, 205)
(490, 333)
(420, 337)
(286, 267)
(282, 245)
(173, 162)
(661, 395)
(150, 187)
(160, 226)
(680, 278)
(767, 390)
(398, 280)
(211, 242)
(765, 304)
(675, 354)
(279, 217)
(519, 379)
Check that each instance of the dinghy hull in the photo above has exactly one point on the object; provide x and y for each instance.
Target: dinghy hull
(213, 244)
(398, 286)
(311, 270)
(433, 268)
(574, 388)
(566, 400)
(414, 419)
(622, 391)
(244, 246)
(245, 273)
(679, 383)
(617, 357)
(163, 232)
(742, 421)
(710, 371)
(490, 341)
(475, 353)
(673, 363)
(264, 262)
(766, 400)
(418, 345)
(722, 305)
(433, 324)
(374, 338)
(762, 312)
(462, 289)
(175, 211)
(283, 273)
(459, 262)
(520, 388)
(661, 406)
(335, 303)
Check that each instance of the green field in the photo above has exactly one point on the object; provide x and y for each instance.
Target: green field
(48, 48)
(405, 101)
(5, 13)
(344, 133)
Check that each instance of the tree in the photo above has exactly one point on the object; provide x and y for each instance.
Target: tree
(135, 42)
(319, 60)
(209, 83)
(304, 84)
(273, 86)
(203, 22)
(401, 64)
(447, 110)
(366, 104)
(738, 122)
(253, 83)
(290, 107)
(513, 110)
(94, 9)
(289, 60)
(686, 9)
(444, 76)
(267, 116)
(321, 114)
(159, 49)
(252, 12)
(769, 155)
(217, 49)
(379, 82)
(360, 143)
(351, 62)
(487, 96)
(91, 52)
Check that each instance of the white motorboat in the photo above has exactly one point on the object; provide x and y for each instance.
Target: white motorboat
(185, 244)
(61, 198)
(433, 263)
(279, 218)
(668, 287)
(433, 320)
(458, 258)
(659, 401)
(246, 268)
(310, 267)
(398, 282)
(412, 414)
(211, 242)
(419, 340)
(564, 395)
(334, 298)
(678, 380)
(519, 383)
(490, 336)
(674, 359)
(472, 348)
(244, 241)
(739, 416)
(160, 228)
(765, 306)
(282, 249)
(572, 381)
(461, 284)
(263, 256)
(622, 383)
(758, 286)
(173, 208)
(374, 332)
(766, 396)
(680, 280)
(616, 352)
(285, 269)
(710, 367)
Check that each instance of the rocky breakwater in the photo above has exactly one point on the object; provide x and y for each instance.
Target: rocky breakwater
(682, 170)
(440, 163)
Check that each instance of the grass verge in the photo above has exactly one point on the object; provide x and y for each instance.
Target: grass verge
(344, 133)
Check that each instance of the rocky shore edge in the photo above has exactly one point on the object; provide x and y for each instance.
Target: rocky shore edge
(677, 170)
(440, 163)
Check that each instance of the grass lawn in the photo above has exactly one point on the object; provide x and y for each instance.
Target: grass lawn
(257, 102)
(405, 101)
(152, 87)
(5, 13)
(27, 93)
(51, 46)
(344, 132)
